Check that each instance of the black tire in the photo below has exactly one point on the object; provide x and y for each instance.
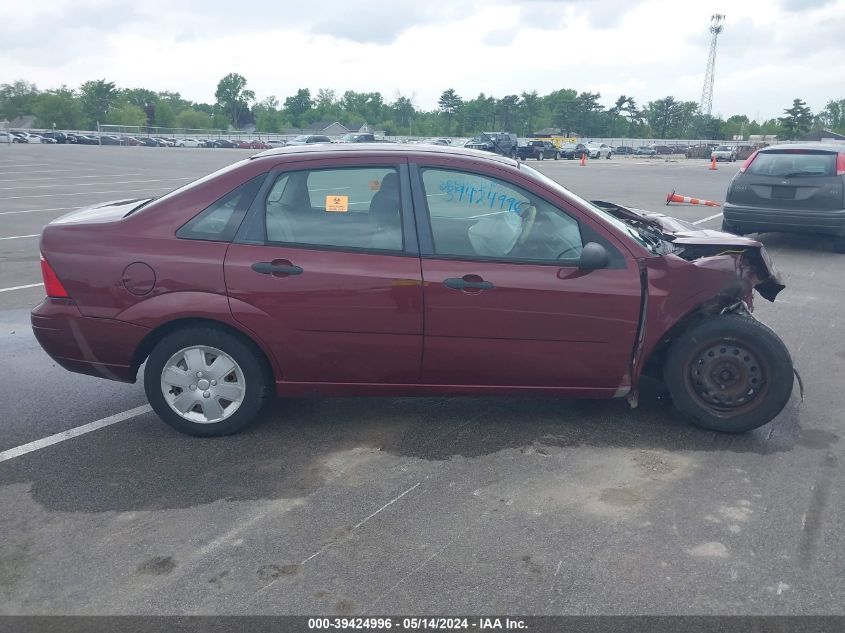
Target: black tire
(257, 379)
(738, 345)
(839, 244)
(609, 154)
(557, 155)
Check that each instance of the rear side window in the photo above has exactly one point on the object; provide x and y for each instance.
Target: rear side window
(353, 208)
(220, 221)
(793, 164)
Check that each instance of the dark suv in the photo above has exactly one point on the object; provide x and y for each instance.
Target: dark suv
(790, 188)
(504, 143)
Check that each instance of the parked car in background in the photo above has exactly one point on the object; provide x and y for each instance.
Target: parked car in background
(723, 152)
(44, 139)
(624, 150)
(223, 142)
(149, 141)
(309, 139)
(109, 139)
(600, 150)
(796, 188)
(700, 151)
(518, 287)
(572, 151)
(502, 143)
(358, 137)
(538, 150)
(663, 149)
(277, 143)
(87, 139)
(190, 142)
(59, 137)
(645, 151)
(6, 138)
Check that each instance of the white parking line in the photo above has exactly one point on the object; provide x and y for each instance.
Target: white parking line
(70, 177)
(39, 210)
(23, 449)
(21, 287)
(19, 237)
(94, 184)
(82, 193)
(708, 218)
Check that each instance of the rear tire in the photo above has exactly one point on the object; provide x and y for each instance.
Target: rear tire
(557, 155)
(181, 354)
(729, 373)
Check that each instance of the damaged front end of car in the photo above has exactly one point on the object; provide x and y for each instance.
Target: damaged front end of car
(694, 274)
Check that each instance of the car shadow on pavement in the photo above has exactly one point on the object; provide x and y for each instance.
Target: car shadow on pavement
(797, 242)
(144, 465)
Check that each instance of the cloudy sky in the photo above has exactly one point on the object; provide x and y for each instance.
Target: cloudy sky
(770, 52)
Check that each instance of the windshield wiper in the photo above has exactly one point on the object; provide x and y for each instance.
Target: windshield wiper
(797, 174)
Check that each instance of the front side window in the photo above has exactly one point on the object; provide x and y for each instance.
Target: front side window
(476, 216)
(356, 208)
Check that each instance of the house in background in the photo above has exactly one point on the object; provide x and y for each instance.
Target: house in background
(329, 128)
(823, 136)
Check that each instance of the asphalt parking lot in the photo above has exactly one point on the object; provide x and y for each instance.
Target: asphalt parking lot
(412, 506)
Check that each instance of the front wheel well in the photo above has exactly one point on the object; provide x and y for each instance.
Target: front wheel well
(654, 364)
(152, 339)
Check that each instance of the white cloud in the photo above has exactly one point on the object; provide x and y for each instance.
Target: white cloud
(769, 53)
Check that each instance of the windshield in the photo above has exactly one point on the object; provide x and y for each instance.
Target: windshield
(301, 138)
(481, 138)
(604, 215)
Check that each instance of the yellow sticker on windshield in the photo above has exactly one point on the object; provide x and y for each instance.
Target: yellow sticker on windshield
(337, 204)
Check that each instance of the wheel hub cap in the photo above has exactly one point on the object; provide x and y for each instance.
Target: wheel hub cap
(203, 384)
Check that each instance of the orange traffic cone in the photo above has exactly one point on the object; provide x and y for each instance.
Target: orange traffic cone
(583, 159)
(713, 163)
(673, 197)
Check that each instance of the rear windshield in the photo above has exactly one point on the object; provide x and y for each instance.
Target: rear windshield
(793, 163)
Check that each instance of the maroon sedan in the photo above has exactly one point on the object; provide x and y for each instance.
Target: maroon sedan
(404, 270)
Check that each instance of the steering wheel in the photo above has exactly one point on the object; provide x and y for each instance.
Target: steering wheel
(528, 217)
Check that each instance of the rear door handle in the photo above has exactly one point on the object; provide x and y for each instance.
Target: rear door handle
(277, 268)
(468, 282)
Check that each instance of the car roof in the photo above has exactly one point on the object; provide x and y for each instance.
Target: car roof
(383, 148)
(832, 147)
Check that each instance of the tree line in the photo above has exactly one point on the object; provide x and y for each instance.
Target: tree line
(567, 110)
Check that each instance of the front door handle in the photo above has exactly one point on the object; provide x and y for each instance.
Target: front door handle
(277, 268)
(468, 283)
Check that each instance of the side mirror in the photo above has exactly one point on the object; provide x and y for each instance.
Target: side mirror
(593, 257)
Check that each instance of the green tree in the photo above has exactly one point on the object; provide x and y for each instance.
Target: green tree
(531, 108)
(191, 119)
(797, 119)
(16, 98)
(60, 108)
(298, 105)
(127, 114)
(98, 97)
(833, 115)
(233, 97)
(449, 104)
(403, 110)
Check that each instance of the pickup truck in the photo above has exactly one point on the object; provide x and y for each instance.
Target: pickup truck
(504, 143)
(538, 150)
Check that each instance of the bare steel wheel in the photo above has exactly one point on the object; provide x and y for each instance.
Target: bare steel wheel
(206, 380)
(729, 373)
(203, 384)
(727, 377)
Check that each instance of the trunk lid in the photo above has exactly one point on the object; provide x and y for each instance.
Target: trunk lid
(102, 212)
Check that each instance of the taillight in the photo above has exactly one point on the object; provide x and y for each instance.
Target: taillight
(52, 284)
(748, 161)
(840, 164)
